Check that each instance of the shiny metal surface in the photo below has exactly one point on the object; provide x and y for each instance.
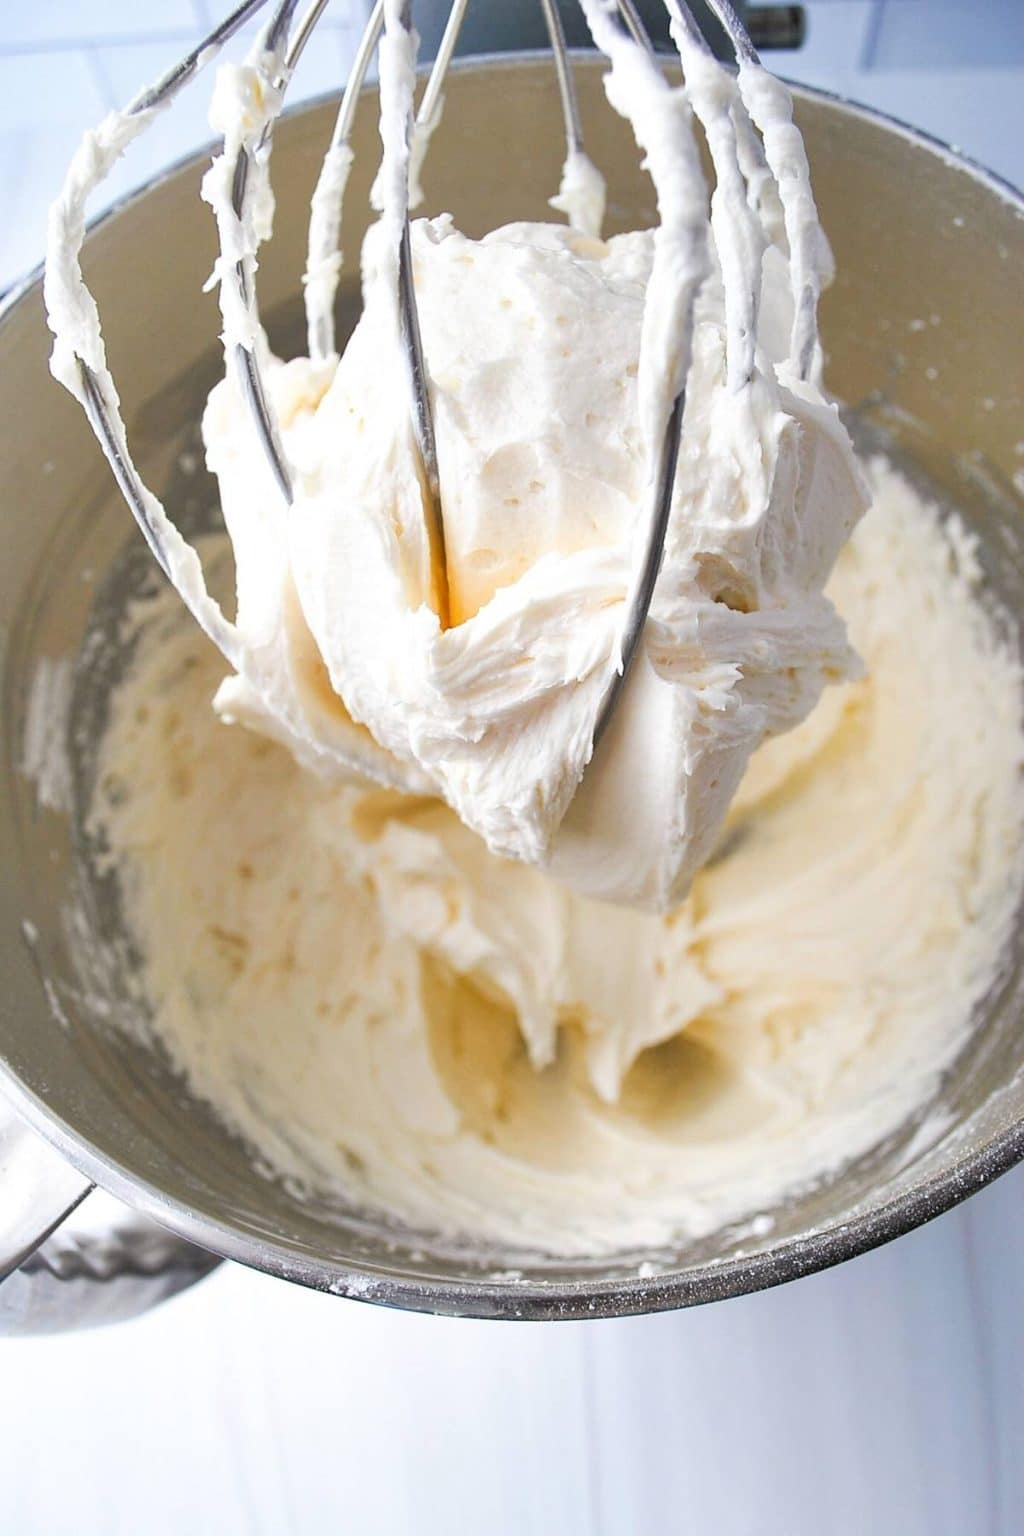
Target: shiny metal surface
(926, 330)
(621, 24)
(91, 1273)
(71, 1257)
(39, 1189)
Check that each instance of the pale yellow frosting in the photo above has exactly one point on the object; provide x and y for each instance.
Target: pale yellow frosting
(378, 1004)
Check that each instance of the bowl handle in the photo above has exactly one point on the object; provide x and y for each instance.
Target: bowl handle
(54, 1277)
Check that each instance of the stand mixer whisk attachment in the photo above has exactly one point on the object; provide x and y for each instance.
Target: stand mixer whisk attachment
(762, 196)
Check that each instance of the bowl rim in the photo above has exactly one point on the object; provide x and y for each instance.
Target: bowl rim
(509, 1297)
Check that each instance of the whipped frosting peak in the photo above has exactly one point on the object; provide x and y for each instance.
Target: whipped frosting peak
(554, 360)
(543, 465)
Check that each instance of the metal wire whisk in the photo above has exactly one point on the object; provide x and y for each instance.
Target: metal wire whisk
(760, 170)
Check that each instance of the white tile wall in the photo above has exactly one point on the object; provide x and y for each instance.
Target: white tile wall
(953, 67)
(984, 35)
(38, 132)
(60, 23)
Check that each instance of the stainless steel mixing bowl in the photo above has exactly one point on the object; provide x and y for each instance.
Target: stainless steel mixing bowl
(925, 326)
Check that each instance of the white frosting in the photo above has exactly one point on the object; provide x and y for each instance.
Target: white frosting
(325, 257)
(278, 675)
(581, 194)
(554, 361)
(246, 100)
(380, 1005)
(78, 346)
(543, 463)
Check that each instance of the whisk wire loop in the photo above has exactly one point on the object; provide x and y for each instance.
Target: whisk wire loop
(762, 196)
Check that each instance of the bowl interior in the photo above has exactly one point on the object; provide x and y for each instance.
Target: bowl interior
(925, 330)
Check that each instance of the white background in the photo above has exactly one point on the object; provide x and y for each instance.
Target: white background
(885, 1397)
